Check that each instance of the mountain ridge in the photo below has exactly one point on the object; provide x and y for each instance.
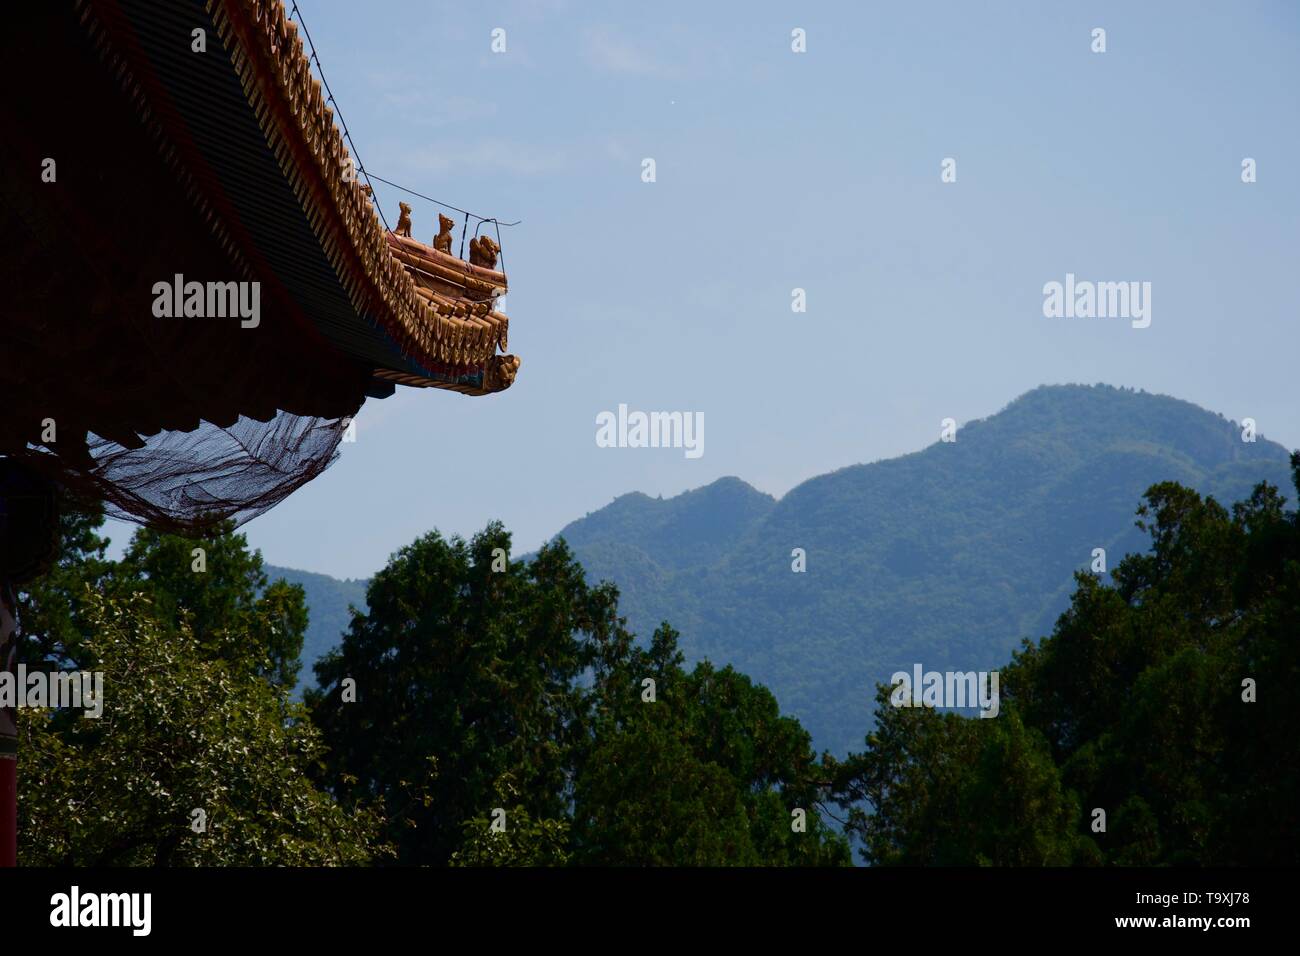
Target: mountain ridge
(892, 546)
(947, 555)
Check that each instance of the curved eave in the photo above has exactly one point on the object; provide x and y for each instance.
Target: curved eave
(246, 120)
(289, 103)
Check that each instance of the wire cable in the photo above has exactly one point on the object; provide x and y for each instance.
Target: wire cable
(356, 155)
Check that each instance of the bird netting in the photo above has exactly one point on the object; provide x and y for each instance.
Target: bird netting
(187, 481)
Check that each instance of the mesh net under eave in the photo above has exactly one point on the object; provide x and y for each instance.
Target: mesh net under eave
(186, 482)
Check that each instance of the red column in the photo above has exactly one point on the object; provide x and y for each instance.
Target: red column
(8, 734)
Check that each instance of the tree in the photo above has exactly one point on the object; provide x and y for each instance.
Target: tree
(196, 664)
(219, 586)
(474, 667)
(49, 607)
(191, 763)
(1162, 704)
(510, 836)
(708, 773)
(524, 677)
(941, 789)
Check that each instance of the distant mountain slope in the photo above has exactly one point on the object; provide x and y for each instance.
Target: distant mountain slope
(642, 542)
(947, 557)
(327, 607)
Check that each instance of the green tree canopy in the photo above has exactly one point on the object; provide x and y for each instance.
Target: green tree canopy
(1165, 700)
(183, 740)
(524, 672)
(708, 773)
(217, 584)
(196, 659)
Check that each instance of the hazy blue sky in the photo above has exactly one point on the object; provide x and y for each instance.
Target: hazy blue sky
(819, 170)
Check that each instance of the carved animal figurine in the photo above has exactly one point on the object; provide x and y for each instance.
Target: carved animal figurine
(483, 252)
(442, 241)
(500, 372)
(404, 221)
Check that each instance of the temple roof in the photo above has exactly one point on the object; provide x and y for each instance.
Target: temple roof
(133, 159)
(431, 334)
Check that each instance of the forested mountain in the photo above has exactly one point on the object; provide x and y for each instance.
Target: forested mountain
(327, 602)
(947, 557)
